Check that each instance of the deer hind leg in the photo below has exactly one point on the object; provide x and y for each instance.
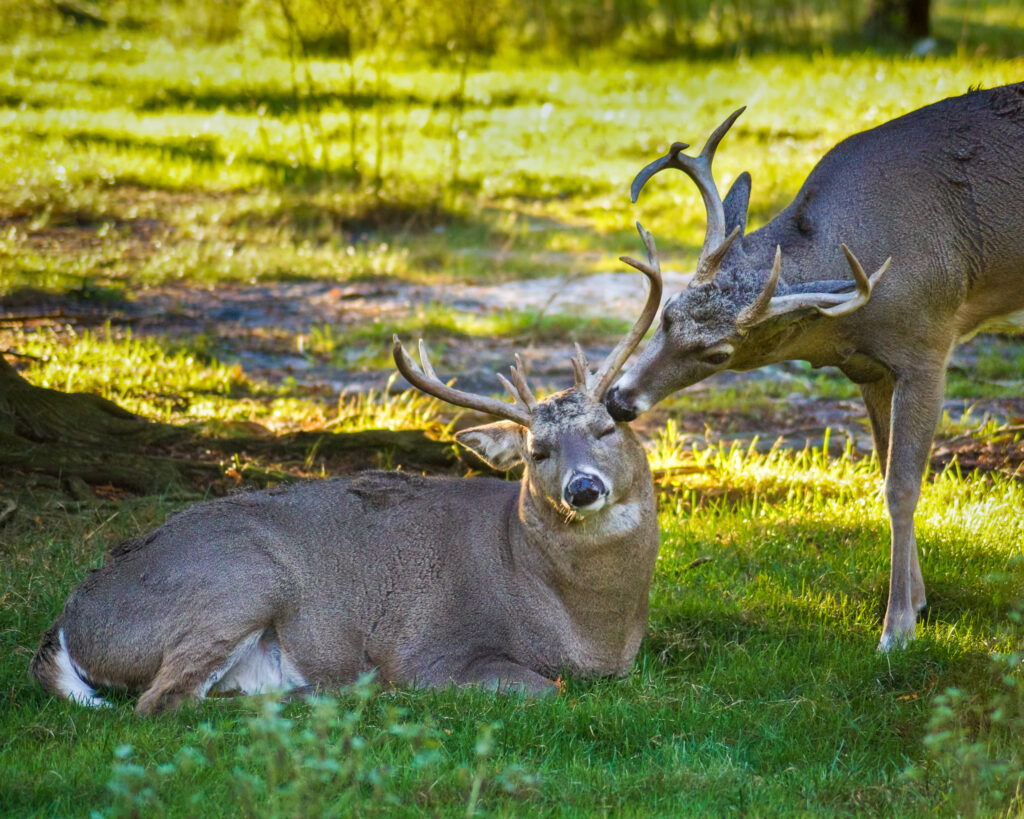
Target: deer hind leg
(916, 406)
(247, 662)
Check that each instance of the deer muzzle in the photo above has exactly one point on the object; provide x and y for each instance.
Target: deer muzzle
(583, 490)
(621, 405)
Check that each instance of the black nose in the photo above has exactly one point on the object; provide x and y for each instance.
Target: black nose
(583, 490)
(618, 406)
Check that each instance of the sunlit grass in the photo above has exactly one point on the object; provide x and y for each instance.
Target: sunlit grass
(178, 384)
(85, 118)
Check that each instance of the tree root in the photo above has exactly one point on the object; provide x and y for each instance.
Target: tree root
(82, 436)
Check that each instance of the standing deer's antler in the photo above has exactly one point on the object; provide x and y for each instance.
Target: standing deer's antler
(597, 384)
(698, 168)
(426, 380)
(767, 305)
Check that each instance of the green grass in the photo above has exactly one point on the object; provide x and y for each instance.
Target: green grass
(180, 382)
(167, 161)
(130, 160)
(369, 344)
(758, 686)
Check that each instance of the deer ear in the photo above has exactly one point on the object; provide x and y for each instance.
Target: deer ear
(499, 445)
(736, 202)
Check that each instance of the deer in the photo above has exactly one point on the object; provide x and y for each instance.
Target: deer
(933, 203)
(426, 581)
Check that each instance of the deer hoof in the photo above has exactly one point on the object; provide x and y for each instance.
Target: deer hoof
(896, 638)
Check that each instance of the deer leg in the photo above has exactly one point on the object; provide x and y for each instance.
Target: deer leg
(195, 665)
(916, 406)
(877, 397)
(506, 676)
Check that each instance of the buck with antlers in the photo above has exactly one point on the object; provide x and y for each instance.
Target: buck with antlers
(939, 193)
(428, 581)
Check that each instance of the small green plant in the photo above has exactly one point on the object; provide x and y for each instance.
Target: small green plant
(973, 741)
(359, 754)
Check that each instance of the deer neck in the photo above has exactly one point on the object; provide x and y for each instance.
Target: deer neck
(587, 580)
(813, 338)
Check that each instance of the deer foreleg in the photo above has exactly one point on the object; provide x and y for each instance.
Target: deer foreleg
(916, 406)
(506, 676)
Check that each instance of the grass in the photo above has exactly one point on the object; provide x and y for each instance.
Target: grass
(131, 161)
(177, 158)
(361, 346)
(757, 687)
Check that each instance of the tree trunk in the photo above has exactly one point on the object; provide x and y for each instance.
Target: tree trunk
(906, 20)
(81, 436)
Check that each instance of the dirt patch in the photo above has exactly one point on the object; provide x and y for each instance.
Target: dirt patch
(261, 327)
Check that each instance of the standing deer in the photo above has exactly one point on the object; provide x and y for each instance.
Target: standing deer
(430, 581)
(939, 193)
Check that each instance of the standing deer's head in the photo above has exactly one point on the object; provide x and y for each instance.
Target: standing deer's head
(729, 316)
(578, 459)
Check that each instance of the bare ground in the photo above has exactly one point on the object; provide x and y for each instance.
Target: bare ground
(262, 327)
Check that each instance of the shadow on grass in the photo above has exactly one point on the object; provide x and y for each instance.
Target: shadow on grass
(279, 102)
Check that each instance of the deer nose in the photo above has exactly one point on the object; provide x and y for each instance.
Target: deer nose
(619, 406)
(583, 490)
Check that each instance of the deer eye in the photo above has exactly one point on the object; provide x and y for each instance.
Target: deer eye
(716, 357)
(539, 455)
(604, 433)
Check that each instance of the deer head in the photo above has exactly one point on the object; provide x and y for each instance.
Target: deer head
(578, 459)
(730, 316)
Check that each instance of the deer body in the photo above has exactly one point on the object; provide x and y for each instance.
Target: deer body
(939, 193)
(429, 581)
(385, 571)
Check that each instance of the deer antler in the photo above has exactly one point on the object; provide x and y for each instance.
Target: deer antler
(598, 383)
(426, 380)
(698, 168)
(767, 305)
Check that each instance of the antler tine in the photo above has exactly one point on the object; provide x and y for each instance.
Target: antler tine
(859, 276)
(579, 375)
(708, 267)
(523, 388)
(698, 168)
(864, 286)
(426, 380)
(827, 304)
(580, 368)
(652, 267)
(617, 357)
(428, 368)
(752, 314)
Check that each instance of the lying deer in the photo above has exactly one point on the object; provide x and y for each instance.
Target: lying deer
(430, 581)
(940, 193)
